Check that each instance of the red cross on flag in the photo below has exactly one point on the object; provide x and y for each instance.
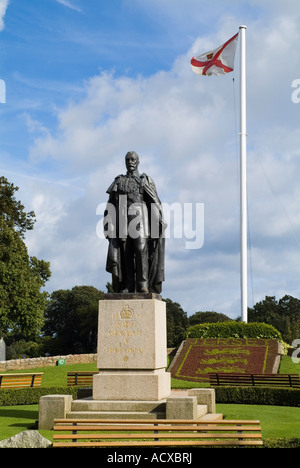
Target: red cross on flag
(218, 61)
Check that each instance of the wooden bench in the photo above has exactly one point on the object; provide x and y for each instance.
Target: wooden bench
(20, 380)
(275, 380)
(155, 433)
(84, 379)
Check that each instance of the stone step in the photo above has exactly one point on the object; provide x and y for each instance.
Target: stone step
(102, 409)
(89, 404)
(201, 411)
(211, 417)
(114, 415)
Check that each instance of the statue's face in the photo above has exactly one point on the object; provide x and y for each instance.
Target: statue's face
(132, 162)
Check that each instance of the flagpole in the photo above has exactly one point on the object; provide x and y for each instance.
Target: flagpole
(243, 175)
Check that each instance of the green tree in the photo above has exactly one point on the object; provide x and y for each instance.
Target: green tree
(12, 210)
(177, 323)
(22, 304)
(207, 317)
(71, 320)
(284, 315)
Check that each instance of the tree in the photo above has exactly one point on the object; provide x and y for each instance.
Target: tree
(22, 304)
(177, 323)
(284, 315)
(12, 211)
(207, 317)
(71, 320)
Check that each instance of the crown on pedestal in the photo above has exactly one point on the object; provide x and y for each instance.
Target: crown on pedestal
(126, 313)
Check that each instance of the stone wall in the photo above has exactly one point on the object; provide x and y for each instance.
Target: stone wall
(30, 363)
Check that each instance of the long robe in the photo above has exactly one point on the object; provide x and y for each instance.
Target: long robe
(156, 240)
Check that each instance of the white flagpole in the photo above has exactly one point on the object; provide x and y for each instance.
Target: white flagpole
(243, 176)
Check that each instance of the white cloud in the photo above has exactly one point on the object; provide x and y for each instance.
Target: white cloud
(183, 127)
(68, 4)
(3, 7)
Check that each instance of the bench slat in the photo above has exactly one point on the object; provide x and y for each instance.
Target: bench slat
(157, 421)
(154, 433)
(158, 428)
(170, 443)
(290, 380)
(80, 378)
(20, 380)
(180, 435)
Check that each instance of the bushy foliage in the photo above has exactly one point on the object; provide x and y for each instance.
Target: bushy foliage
(283, 314)
(71, 321)
(234, 329)
(207, 317)
(275, 396)
(177, 323)
(31, 396)
(22, 348)
(22, 302)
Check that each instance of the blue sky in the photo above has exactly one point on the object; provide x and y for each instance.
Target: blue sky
(88, 80)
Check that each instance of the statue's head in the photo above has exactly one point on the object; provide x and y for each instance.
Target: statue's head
(132, 161)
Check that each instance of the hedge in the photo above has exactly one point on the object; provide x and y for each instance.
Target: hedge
(275, 396)
(234, 329)
(281, 443)
(31, 396)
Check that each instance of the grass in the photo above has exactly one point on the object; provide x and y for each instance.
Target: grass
(276, 421)
(56, 376)
(287, 366)
(15, 419)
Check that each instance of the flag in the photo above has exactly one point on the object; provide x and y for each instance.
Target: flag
(218, 61)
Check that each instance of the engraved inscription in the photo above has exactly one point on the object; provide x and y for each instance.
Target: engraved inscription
(126, 325)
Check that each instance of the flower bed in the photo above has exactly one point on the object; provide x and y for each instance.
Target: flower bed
(200, 356)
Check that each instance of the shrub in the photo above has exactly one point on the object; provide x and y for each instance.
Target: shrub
(275, 396)
(234, 329)
(22, 348)
(281, 443)
(31, 396)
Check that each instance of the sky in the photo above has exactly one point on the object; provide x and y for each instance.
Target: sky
(88, 80)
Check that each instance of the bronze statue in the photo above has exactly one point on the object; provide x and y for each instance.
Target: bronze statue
(134, 227)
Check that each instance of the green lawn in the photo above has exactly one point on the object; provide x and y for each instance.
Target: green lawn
(276, 421)
(15, 419)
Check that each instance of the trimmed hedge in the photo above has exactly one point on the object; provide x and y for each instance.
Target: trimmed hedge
(234, 329)
(275, 396)
(31, 396)
(281, 443)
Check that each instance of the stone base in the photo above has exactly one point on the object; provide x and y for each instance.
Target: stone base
(196, 404)
(132, 349)
(132, 385)
(53, 407)
(105, 409)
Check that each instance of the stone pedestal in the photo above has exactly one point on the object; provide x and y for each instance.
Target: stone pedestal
(132, 382)
(132, 349)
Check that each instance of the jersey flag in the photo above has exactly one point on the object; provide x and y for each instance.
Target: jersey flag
(218, 61)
